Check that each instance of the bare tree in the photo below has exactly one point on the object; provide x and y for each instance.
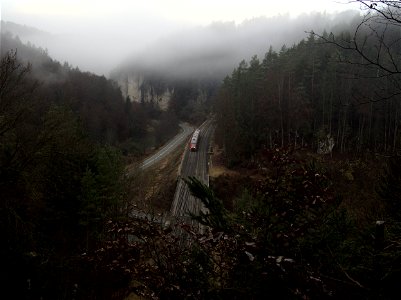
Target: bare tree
(14, 91)
(374, 48)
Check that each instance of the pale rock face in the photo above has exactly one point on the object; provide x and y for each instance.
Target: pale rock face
(134, 86)
(164, 99)
(157, 91)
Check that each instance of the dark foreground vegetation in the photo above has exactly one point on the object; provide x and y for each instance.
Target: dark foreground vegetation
(290, 232)
(62, 136)
(295, 224)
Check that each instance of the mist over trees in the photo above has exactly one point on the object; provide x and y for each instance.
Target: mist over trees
(62, 134)
(212, 51)
(309, 94)
(56, 185)
(375, 41)
(189, 66)
(106, 115)
(289, 224)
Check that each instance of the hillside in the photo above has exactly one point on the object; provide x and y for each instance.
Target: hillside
(23, 31)
(210, 53)
(293, 190)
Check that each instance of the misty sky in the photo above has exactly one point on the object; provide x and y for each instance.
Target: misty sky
(98, 34)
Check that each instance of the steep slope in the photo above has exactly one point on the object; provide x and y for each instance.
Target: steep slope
(210, 53)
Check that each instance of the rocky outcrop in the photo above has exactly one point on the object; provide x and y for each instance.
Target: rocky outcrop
(142, 89)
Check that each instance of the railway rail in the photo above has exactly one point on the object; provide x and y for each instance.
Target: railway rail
(194, 164)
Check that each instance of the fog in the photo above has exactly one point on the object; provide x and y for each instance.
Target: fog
(92, 49)
(214, 50)
(183, 37)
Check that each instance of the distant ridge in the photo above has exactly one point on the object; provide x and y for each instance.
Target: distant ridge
(22, 31)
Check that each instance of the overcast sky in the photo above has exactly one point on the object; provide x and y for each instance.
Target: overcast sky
(56, 14)
(123, 26)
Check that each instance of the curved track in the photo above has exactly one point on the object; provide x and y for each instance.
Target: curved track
(169, 147)
(166, 149)
(194, 164)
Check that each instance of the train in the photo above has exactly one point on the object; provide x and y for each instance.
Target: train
(194, 143)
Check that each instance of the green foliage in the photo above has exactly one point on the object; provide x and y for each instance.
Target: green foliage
(166, 128)
(105, 116)
(287, 236)
(293, 97)
(292, 239)
(54, 182)
(191, 99)
(390, 187)
(216, 216)
(90, 210)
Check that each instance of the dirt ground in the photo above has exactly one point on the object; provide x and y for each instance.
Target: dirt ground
(217, 165)
(153, 189)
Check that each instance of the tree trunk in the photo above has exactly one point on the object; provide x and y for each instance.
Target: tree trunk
(281, 114)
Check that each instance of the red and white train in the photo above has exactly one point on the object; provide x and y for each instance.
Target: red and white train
(194, 143)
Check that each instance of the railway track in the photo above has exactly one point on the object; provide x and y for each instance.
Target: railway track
(186, 130)
(193, 164)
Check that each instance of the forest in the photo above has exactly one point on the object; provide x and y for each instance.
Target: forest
(307, 94)
(65, 138)
(310, 207)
